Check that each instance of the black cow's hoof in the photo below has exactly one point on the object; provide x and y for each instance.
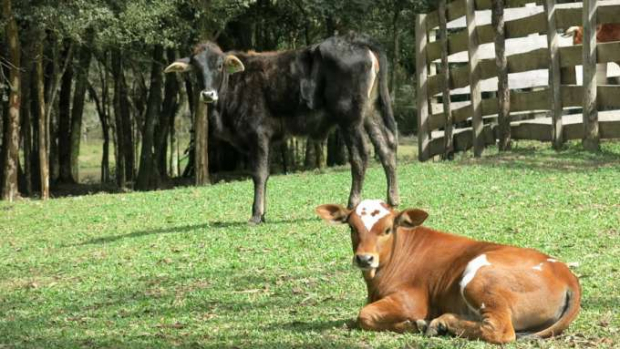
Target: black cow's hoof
(256, 220)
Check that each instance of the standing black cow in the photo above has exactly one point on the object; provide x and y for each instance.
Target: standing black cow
(263, 97)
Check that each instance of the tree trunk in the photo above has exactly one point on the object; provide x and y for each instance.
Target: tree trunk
(174, 145)
(64, 127)
(168, 110)
(102, 111)
(81, 82)
(128, 143)
(104, 116)
(44, 135)
(25, 114)
(53, 143)
(147, 175)
(118, 118)
(397, 5)
(4, 116)
(336, 149)
(9, 185)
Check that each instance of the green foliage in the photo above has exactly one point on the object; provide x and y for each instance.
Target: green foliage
(181, 268)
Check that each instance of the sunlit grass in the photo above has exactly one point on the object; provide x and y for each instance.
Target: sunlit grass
(181, 268)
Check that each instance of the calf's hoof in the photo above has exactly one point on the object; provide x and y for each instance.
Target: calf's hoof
(421, 325)
(436, 328)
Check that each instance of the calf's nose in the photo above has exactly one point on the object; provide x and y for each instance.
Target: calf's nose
(364, 260)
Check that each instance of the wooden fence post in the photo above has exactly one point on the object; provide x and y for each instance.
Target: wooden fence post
(422, 87)
(501, 62)
(202, 143)
(445, 65)
(474, 77)
(591, 137)
(555, 74)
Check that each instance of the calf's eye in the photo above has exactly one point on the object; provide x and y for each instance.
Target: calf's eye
(387, 231)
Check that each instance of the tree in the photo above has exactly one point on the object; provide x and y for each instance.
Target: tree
(148, 175)
(11, 141)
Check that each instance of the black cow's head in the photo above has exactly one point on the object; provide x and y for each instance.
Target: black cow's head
(211, 65)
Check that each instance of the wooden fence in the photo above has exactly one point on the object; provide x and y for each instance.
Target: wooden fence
(523, 40)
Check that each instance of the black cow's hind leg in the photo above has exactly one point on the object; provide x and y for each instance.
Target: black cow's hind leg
(358, 158)
(259, 164)
(385, 146)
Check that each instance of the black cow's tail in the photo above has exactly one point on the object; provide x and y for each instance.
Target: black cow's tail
(385, 99)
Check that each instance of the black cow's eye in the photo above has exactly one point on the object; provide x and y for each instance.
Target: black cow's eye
(387, 231)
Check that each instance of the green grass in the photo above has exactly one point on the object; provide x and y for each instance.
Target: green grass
(181, 268)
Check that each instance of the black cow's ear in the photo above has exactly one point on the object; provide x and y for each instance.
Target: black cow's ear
(335, 214)
(179, 66)
(410, 218)
(233, 64)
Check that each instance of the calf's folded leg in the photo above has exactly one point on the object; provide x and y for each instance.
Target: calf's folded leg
(398, 313)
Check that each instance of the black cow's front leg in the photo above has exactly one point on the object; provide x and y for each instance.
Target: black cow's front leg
(385, 145)
(259, 164)
(358, 157)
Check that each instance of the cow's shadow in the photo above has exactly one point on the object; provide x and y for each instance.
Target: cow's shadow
(346, 324)
(186, 229)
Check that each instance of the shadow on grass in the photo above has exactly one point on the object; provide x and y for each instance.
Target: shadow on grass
(533, 157)
(185, 229)
(305, 326)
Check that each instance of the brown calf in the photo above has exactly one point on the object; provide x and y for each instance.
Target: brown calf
(464, 287)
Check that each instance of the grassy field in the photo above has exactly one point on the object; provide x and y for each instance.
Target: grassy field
(181, 268)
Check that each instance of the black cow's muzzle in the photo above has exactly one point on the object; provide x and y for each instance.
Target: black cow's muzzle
(208, 96)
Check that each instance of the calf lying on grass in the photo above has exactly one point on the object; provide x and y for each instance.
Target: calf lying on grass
(467, 288)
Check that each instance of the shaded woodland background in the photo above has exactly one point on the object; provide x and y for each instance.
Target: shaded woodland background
(73, 69)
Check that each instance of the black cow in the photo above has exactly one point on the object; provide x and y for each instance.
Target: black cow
(258, 98)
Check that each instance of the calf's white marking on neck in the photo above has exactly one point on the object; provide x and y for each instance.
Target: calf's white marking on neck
(472, 268)
(470, 271)
(468, 275)
(371, 211)
(538, 267)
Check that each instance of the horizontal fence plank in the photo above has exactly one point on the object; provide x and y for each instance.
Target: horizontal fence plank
(607, 96)
(568, 17)
(455, 10)
(540, 129)
(565, 17)
(486, 4)
(517, 28)
(457, 42)
(572, 96)
(463, 139)
(570, 56)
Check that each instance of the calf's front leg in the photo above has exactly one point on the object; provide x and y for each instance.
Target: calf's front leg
(398, 313)
(495, 326)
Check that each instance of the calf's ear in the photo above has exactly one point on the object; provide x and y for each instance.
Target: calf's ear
(179, 66)
(333, 213)
(410, 218)
(233, 64)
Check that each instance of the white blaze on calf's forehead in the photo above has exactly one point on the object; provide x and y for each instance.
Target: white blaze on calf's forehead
(371, 211)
